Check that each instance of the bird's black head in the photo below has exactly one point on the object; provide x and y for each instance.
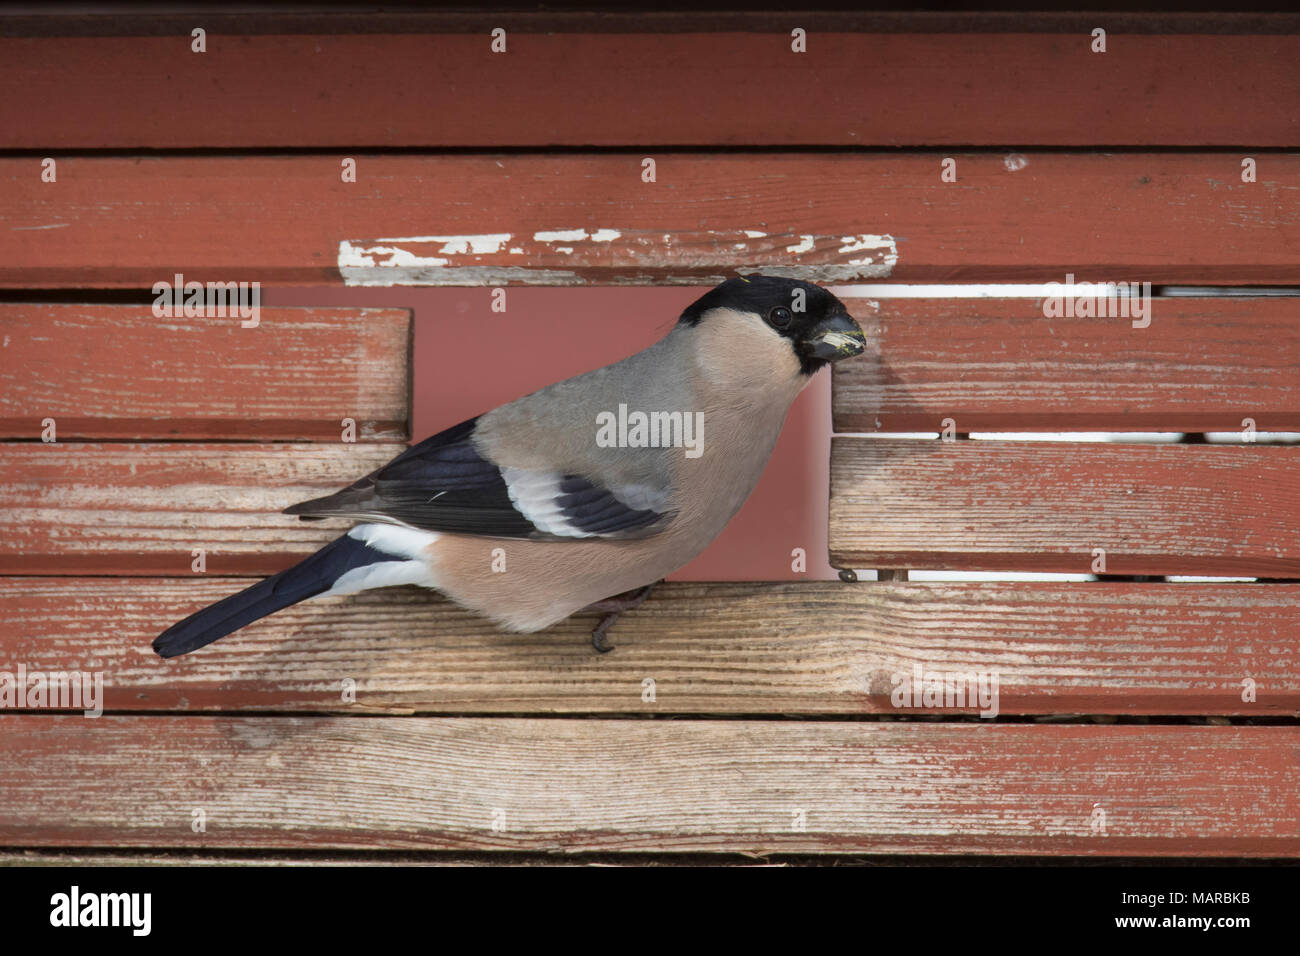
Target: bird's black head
(815, 324)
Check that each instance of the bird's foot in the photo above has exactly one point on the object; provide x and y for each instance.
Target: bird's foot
(613, 607)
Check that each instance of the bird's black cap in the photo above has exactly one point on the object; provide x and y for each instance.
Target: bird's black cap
(760, 293)
(818, 325)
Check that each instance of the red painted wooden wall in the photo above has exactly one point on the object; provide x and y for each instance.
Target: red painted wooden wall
(1138, 698)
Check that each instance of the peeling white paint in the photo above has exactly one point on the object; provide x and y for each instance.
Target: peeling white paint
(356, 257)
(858, 243)
(1014, 162)
(474, 245)
(576, 235)
(881, 262)
(449, 260)
(363, 254)
(560, 235)
(883, 256)
(456, 276)
(483, 244)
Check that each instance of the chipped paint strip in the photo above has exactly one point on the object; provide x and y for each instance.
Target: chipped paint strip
(578, 256)
(431, 275)
(577, 235)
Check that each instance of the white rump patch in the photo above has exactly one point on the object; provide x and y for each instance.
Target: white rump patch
(401, 542)
(385, 574)
(409, 544)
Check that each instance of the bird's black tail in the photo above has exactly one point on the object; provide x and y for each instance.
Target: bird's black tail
(308, 578)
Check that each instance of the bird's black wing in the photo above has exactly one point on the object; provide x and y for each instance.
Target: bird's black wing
(444, 484)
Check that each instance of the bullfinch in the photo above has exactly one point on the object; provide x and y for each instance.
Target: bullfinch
(591, 489)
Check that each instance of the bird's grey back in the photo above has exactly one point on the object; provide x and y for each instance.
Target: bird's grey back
(656, 379)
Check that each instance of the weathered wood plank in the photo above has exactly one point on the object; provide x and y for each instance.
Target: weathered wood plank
(824, 648)
(573, 219)
(78, 508)
(633, 18)
(115, 508)
(181, 857)
(103, 371)
(1001, 365)
(1001, 505)
(980, 86)
(630, 785)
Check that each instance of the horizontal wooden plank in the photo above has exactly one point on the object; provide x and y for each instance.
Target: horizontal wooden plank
(605, 16)
(142, 509)
(639, 786)
(77, 508)
(1046, 506)
(107, 371)
(823, 648)
(1002, 365)
(180, 857)
(326, 90)
(74, 507)
(583, 218)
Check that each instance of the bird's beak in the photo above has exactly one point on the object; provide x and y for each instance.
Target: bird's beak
(838, 337)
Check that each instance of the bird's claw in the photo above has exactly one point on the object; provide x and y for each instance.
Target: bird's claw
(598, 633)
(613, 607)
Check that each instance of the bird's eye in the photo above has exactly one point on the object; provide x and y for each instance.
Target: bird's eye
(780, 317)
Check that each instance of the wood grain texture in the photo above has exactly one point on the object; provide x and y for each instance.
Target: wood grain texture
(89, 508)
(1037, 506)
(1000, 365)
(1159, 217)
(620, 785)
(185, 858)
(873, 88)
(103, 371)
(76, 508)
(825, 648)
